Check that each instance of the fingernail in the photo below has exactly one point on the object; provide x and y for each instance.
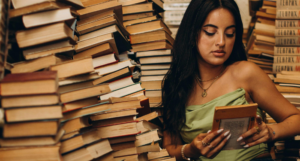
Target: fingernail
(226, 133)
(228, 137)
(239, 139)
(246, 146)
(208, 131)
(243, 143)
(219, 131)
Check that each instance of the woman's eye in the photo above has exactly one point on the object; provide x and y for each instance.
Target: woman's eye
(209, 33)
(230, 35)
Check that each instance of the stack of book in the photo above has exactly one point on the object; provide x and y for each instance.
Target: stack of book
(287, 34)
(261, 41)
(173, 15)
(45, 37)
(287, 83)
(32, 113)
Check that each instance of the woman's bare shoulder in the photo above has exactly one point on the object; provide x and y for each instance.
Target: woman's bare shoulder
(244, 70)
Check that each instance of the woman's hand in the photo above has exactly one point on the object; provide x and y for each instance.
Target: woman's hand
(259, 134)
(207, 144)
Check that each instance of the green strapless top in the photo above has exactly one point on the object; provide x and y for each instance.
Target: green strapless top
(199, 120)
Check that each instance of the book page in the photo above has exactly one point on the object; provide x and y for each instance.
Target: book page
(237, 127)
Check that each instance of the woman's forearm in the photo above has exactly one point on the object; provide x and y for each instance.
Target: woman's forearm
(287, 128)
(175, 151)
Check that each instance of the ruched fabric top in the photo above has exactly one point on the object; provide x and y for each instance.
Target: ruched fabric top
(199, 119)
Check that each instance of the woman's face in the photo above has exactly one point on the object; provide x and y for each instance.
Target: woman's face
(217, 37)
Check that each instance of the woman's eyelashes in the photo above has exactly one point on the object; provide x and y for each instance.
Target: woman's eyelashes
(213, 33)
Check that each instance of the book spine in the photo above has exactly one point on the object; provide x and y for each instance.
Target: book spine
(288, 14)
(173, 22)
(287, 24)
(287, 32)
(173, 14)
(175, 6)
(287, 59)
(287, 41)
(286, 51)
(288, 4)
(177, 1)
(285, 67)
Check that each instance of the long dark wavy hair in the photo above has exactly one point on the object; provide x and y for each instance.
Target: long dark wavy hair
(179, 81)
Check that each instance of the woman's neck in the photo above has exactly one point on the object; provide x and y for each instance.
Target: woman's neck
(208, 71)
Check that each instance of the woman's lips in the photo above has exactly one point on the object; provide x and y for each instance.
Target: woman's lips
(218, 53)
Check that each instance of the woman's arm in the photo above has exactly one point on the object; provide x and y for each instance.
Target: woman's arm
(263, 92)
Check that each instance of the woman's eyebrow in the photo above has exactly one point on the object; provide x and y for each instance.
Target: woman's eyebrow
(214, 26)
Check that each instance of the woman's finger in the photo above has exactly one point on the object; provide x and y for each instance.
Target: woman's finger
(261, 140)
(210, 137)
(218, 139)
(218, 148)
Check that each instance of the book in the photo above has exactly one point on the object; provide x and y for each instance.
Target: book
(123, 146)
(107, 157)
(286, 51)
(287, 41)
(287, 32)
(283, 89)
(176, 6)
(286, 67)
(152, 78)
(79, 141)
(51, 48)
(229, 117)
(114, 121)
(87, 3)
(117, 42)
(147, 27)
(118, 130)
(44, 6)
(122, 139)
(140, 8)
(156, 60)
(137, 150)
(124, 72)
(35, 64)
(122, 92)
(29, 83)
(74, 86)
(114, 67)
(152, 85)
(287, 4)
(140, 20)
(100, 23)
(83, 103)
(32, 100)
(110, 115)
(155, 67)
(290, 24)
(100, 8)
(90, 152)
(153, 53)
(138, 15)
(84, 93)
(33, 113)
(104, 60)
(286, 59)
(75, 124)
(26, 129)
(95, 51)
(151, 36)
(160, 154)
(79, 78)
(63, 69)
(44, 34)
(101, 108)
(31, 153)
(47, 17)
(153, 72)
(287, 14)
(147, 138)
(155, 45)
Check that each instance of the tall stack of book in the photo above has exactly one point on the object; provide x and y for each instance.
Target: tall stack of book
(287, 34)
(261, 41)
(32, 113)
(173, 15)
(151, 40)
(287, 83)
(45, 37)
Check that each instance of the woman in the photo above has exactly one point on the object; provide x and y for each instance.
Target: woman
(208, 70)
